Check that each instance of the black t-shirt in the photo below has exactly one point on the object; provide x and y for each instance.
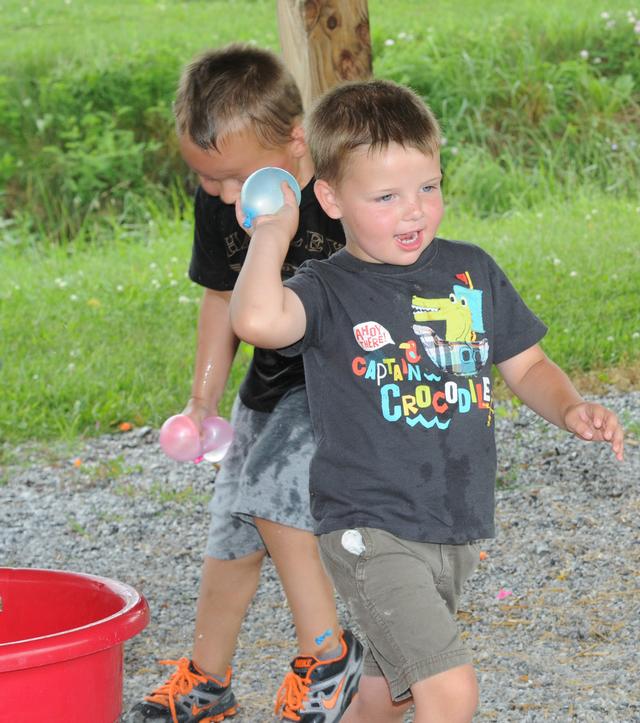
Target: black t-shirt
(219, 249)
(398, 362)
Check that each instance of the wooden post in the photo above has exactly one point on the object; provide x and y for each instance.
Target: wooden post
(324, 42)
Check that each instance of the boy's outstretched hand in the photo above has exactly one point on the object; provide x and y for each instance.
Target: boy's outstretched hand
(595, 423)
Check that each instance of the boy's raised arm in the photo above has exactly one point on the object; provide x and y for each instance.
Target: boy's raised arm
(264, 312)
(549, 392)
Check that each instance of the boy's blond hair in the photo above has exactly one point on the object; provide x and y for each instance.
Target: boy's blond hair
(235, 88)
(372, 113)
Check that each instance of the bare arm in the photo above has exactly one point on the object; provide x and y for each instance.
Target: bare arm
(263, 311)
(548, 391)
(217, 345)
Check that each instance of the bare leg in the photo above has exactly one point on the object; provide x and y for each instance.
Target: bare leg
(226, 590)
(373, 704)
(305, 582)
(449, 697)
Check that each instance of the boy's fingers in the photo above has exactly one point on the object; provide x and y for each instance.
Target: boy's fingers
(240, 214)
(617, 443)
(611, 425)
(578, 422)
(614, 434)
(289, 195)
(583, 429)
(591, 414)
(595, 423)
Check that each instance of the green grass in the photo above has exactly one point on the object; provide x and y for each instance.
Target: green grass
(95, 32)
(97, 335)
(86, 88)
(577, 264)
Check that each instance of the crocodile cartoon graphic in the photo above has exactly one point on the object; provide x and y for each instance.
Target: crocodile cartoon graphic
(454, 311)
(459, 351)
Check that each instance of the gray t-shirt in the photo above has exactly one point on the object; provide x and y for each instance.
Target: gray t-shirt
(398, 365)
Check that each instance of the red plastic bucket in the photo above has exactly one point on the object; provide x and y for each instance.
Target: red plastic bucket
(62, 643)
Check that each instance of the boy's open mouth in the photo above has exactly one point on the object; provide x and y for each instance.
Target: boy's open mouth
(409, 240)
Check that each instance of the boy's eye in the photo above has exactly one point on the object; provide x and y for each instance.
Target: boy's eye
(429, 188)
(385, 198)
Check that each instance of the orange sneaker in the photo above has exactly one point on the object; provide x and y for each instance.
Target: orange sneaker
(188, 696)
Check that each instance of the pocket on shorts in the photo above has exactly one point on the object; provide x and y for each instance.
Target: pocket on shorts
(467, 560)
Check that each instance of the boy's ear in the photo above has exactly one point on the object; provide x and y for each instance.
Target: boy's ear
(298, 142)
(327, 199)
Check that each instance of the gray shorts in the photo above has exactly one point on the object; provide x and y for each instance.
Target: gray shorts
(265, 474)
(404, 597)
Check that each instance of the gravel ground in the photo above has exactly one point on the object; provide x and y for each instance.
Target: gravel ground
(562, 644)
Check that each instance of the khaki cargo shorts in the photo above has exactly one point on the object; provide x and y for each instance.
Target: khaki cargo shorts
(404, 596)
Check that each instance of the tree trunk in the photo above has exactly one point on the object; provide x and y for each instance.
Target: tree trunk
(324, 42)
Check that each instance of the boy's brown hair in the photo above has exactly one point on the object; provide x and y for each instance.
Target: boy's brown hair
(235, 88)
(372, 113)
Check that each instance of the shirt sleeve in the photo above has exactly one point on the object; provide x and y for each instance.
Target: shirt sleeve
(516, 327)
(307, 285)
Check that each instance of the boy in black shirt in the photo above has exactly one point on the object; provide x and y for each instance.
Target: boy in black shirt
(238, 109)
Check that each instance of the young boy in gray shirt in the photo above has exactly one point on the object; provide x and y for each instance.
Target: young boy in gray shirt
(399, 332)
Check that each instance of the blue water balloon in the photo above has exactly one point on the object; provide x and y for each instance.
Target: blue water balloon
(261, 193)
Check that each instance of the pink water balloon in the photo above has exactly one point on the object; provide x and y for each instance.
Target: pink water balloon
(217, 435)
(180, 438)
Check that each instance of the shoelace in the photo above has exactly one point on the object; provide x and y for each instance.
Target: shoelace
(181, 682)
(291, 695)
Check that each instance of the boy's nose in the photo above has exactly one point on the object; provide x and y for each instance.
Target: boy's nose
(413, 210)
(210, 187)
(229, 191)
